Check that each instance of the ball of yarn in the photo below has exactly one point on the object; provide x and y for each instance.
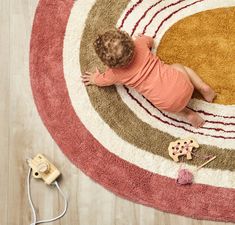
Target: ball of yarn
(184, 177)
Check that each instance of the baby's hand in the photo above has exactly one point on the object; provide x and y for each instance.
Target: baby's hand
(89, 78)
(138, 35)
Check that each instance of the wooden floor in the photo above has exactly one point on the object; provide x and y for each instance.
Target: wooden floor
(23, 135)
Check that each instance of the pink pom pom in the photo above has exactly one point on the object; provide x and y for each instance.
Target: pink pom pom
(184, 177)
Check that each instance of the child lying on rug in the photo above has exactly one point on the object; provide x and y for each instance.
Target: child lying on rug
(131, 63)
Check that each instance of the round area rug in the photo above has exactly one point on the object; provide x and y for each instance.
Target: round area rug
(112, 133)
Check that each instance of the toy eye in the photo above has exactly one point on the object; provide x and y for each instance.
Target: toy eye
(36, 174)
(191, 141)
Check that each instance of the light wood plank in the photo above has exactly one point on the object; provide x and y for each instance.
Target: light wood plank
(4, 108)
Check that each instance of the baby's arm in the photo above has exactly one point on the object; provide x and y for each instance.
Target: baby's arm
(99, 79)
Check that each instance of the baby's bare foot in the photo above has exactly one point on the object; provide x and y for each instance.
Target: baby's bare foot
(195, 119)
(207, 92)
(192, 117)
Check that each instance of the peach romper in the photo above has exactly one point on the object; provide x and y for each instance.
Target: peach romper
(166, 88)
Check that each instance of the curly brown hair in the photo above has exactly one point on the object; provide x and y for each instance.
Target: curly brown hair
(115, 48)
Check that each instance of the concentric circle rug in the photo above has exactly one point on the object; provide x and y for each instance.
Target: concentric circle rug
(113, 134)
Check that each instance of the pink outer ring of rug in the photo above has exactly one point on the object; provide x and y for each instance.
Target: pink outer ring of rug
(117, 175)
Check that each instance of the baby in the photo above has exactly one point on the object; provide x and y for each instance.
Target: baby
(131, 63)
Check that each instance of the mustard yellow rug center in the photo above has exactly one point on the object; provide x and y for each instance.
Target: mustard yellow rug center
(206, 43)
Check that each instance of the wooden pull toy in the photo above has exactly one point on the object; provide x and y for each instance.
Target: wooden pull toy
(44, 169)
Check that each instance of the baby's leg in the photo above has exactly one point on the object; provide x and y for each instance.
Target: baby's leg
(192, 117)
(206, 91)
(197, 82)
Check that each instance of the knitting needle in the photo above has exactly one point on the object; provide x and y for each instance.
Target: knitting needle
(206, 163)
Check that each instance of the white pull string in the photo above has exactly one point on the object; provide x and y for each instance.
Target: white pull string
(32, 206)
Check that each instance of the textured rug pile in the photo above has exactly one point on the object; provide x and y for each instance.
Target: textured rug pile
(113, 134)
